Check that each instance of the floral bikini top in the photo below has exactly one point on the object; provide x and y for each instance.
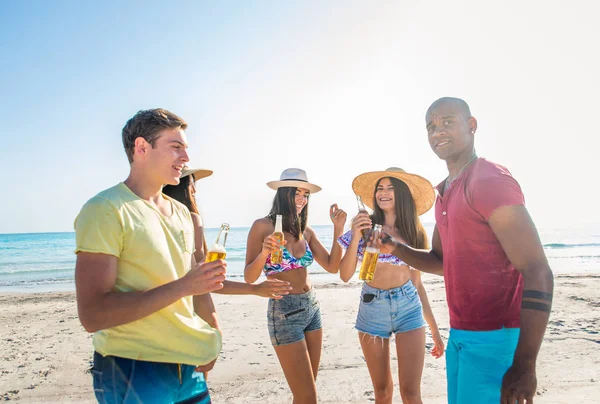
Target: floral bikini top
(345, 239)
(289, 262)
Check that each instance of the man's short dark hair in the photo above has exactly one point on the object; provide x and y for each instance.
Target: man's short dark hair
(451, 100)
(148, 124)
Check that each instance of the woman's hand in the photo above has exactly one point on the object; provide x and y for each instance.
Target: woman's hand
(338, 217)
(438, 345)
(361, 222)
(271, 244)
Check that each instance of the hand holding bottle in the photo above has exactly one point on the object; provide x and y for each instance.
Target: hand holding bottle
(385, 243)
(274, 243)
(205, 277)
(271, 244)
(361, 224)
(371, 255)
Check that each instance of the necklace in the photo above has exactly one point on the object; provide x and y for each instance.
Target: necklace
(450, 181)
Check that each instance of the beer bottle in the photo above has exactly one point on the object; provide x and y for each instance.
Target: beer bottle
(361, 209)
(277, 256)
(217, 251)
(369, 263)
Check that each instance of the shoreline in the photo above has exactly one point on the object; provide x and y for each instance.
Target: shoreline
(319, 281)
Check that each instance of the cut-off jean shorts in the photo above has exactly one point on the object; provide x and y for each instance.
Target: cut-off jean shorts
(382, 313)
(289, 318)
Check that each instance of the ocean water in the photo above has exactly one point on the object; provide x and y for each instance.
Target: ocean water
(46, 261)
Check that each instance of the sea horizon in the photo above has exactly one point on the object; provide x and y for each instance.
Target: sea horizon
(45, 261)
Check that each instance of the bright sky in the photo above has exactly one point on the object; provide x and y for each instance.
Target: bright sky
(265, 85)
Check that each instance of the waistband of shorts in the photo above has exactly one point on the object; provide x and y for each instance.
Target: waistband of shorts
(123, 358)
(405, 289)
(310, 295)
(488, 336)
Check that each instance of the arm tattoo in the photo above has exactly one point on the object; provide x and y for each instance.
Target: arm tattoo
(545, 307)
(537, 294)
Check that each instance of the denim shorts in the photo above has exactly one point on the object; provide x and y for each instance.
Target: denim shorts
(382, 313)
(128, 381)
(289, 318)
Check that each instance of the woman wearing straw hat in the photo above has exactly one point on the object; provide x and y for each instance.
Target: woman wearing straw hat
(395, 301)
(294, 322)
(185, 192)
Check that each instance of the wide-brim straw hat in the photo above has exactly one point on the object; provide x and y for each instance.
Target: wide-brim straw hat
(294, 177)
(420, 189)
(198, 172)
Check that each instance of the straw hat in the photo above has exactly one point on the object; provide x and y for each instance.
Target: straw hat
(294, 177)
(421, 189)
(198, 172)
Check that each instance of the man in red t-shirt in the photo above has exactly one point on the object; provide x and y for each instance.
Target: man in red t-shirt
(498, 283)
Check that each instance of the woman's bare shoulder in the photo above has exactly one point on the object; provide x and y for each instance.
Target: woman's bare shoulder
(262, 225)
(310, 234)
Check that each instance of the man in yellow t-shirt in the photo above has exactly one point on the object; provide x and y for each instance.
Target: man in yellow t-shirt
(138, 289)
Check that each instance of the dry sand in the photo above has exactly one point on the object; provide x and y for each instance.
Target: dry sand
(45, 354)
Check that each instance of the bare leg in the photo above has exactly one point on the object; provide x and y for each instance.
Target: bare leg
(377, 354)
(295, 362)
(410, 347)
(314, 343)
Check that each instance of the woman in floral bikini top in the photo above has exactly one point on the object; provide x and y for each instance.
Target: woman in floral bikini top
(394, 303)
(294, 320)
(288, 262)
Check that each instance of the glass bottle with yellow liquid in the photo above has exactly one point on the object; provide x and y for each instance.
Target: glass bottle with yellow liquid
(369, 263)
(217, 251)
(277, 256)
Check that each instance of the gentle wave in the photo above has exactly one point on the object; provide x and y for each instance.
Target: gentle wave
(561, 245)
(576, 257)
(39, 272)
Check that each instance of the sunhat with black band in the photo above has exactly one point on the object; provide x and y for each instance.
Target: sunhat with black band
(198, 172)
(420, 189)
(294, 177)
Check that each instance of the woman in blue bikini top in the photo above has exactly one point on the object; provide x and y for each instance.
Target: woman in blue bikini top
(301, 246)
(289, 262)
(294, 321)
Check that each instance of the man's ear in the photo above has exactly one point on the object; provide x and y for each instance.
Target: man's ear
(140, 146)
(472, 125)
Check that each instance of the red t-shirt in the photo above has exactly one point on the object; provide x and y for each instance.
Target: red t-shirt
(483, 288)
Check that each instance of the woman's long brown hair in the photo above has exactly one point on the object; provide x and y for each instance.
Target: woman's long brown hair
(284, 204)
(183, 193)
(407, 222)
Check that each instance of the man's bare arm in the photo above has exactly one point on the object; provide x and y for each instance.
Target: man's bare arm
(423, 260)
(519, 238)
(100, 307)
(205, 309)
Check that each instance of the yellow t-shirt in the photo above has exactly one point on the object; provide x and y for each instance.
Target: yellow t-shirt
(152, 250)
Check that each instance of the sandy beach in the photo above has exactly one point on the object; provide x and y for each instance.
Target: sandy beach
(45, 353)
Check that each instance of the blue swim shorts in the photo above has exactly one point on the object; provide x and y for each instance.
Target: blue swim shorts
(127, 381)
(476, 362)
